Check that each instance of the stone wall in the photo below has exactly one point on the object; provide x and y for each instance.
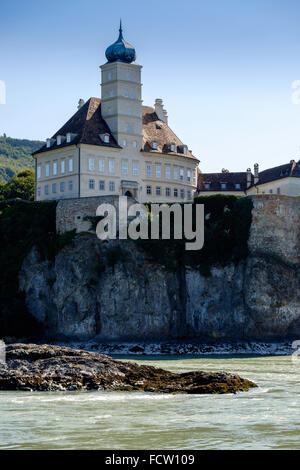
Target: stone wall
(71, 213)
(275, 228)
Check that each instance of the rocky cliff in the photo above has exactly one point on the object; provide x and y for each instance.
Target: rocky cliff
(115, 291)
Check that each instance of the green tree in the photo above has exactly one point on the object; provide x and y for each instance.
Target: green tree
(20, 186)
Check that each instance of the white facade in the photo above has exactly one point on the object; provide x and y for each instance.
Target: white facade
(289, 186)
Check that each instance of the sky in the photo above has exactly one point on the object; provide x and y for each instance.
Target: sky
(224, 69)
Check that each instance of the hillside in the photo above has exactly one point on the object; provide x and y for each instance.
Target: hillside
(15, 155)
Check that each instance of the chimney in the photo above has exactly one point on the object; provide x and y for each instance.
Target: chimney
(249, 177)
(165, 116)
(160, 111)
(80, 103)
(256, 177)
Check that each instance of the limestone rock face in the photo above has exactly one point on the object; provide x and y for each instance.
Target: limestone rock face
(114, 291)
(54, 368)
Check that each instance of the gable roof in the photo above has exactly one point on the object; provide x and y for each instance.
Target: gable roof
(87, 123)
(291, 169)
(216, 179)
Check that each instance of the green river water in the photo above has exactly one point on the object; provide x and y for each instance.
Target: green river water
(264, 418)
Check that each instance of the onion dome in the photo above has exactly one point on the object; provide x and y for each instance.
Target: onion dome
(120, 51)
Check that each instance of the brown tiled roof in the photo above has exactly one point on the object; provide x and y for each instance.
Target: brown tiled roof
(156, 130)
(279, 172)
(216, 179)
(87, 123)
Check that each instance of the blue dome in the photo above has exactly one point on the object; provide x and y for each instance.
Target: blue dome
(120, 51)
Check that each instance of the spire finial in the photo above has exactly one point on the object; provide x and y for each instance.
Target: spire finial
(120, 30)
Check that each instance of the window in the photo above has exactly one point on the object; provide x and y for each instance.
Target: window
(111, 166)
(189, 195)
(55, 168)
(188, 176)
(62, 166)
(109, 76)
(149, 190)
(181, 174)
(271, 191)
(54, 187)
(135, 168)
(278, 190)
(58, 140)
(111, 185)
(39, 191)
(157, 171)
(125, 168)
(62, 186)
(48, 145)
(168, 192)
(134, 144)
(39, 172)
(175, 173)
(69, 138)
(168, 172)
(106, 138)
(158, 190)
(102, 185)
(194, 177)
(91, 184)
(47, 169)
(71, 164)
(175, 192)
(185, 149)
(47, 189)
(182, 193)
(207, 185)
(128, 76)
(148, 171)
(124, 143)
(237, 186)
(91, 164)
(172, 147)
(70, 185)
(101, 166)
(154, 145)
(223, 185)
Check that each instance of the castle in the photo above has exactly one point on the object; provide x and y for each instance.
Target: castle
(116, 146)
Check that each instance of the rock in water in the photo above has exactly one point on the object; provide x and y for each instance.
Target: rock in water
(46, 367)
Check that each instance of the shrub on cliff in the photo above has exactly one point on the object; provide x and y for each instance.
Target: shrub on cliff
(22, 226)
(226, 233)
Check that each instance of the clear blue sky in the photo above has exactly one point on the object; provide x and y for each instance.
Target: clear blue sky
(224, 69)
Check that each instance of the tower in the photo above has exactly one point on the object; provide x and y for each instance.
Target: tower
(121, 103)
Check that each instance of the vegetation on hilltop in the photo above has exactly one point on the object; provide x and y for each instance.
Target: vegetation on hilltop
(15, 155)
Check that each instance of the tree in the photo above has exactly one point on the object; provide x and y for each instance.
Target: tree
(20, 186)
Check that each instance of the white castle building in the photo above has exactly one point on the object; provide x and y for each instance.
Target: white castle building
(115, 145)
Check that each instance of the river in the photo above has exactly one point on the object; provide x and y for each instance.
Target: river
(264, 418)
